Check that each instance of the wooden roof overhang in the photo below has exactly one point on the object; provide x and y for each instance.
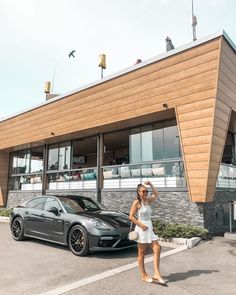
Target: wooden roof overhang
(196, 81)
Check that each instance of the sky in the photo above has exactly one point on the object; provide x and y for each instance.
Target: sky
(37, 36)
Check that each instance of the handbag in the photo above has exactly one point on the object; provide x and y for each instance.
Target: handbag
(133, 235)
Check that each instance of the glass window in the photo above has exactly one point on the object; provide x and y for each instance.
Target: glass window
(171, 142)
(51, 202)
(64, 156)
(14, 159)
(36, 160)
(116, 147)
(158, 141)
(135, 145)
(228, 154)
(36, 203)
(53, 154)
(85, 153)
(21, 162)
(146, 143)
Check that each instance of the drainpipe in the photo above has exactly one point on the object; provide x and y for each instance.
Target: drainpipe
(100, 147)
(230, 216)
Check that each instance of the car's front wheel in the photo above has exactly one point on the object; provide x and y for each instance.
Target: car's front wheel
(78, 240)
(17, 229)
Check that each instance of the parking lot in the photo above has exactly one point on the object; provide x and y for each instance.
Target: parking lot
(35, 267)
(32, 266)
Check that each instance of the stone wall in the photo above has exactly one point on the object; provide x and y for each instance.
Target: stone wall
(173, 207)
(216, 213)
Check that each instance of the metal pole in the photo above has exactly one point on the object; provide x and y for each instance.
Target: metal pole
(45, 161)
(230, 217)
(100, 147)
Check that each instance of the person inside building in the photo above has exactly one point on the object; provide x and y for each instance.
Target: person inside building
(146, 236)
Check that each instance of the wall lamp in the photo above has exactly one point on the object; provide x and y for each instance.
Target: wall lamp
(165, 106)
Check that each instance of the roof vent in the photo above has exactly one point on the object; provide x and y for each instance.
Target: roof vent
(169, 44)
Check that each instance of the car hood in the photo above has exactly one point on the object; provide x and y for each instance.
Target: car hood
(115, 219)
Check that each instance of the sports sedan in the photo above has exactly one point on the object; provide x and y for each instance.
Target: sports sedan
(76, 221)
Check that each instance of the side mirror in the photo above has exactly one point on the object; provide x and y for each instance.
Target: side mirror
(53, 210)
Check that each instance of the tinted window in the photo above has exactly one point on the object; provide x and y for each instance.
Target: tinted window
(36, 203)
(76, 205)
(51, 202)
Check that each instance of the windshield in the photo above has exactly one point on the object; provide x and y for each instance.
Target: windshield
(79, 204)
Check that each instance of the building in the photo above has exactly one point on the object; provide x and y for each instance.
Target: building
(170, 119)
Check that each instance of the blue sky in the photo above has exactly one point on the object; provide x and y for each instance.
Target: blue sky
(37, 35)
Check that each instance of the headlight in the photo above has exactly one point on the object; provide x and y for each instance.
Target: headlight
(99, 224)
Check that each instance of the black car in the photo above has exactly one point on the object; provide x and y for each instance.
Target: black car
(76, 221)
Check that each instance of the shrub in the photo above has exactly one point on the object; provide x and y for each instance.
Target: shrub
(168, 230)
(5, 212)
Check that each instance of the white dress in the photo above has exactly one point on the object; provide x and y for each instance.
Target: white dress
(144, 216)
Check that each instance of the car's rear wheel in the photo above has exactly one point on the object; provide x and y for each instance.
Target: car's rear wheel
(17, 229)
(78, 240)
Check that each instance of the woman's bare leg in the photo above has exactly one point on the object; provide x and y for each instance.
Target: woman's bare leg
(141, 255)
(156, 248)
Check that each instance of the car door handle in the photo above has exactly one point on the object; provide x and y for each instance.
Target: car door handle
(43, 214)
(26, 212)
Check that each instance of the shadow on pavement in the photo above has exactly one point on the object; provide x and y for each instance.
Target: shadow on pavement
(180, 276)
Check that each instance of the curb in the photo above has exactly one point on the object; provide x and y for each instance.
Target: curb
(230, 236)
(189, 242)
(176, 242)
(4, 219)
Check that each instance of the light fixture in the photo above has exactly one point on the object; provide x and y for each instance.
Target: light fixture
(52, 133)
(165, 106)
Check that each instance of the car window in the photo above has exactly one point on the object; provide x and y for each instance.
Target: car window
(90, 206)
(71, 206)
(51, 202)
(36, 203)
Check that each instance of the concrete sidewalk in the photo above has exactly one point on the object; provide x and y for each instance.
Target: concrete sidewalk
(208, 269)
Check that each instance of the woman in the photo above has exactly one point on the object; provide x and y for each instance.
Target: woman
(146, 236)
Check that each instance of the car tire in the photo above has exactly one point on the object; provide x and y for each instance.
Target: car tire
(78, 240)
(17, 229)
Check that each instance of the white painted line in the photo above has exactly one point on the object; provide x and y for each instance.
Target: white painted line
(108, 273)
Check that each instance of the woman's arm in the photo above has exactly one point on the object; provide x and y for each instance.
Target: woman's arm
(132, 218)
(155, 192)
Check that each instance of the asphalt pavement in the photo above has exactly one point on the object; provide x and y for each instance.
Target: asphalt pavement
(35, 267)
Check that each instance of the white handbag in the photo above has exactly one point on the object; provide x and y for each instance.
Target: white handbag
(133, 235)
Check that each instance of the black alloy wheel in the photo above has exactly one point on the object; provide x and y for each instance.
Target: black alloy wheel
(78, 240)
(17, 229)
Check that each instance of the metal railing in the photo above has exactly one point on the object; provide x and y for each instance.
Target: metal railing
(165, 174)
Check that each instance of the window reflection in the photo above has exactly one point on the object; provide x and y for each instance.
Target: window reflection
(155, 142)
(59, 156)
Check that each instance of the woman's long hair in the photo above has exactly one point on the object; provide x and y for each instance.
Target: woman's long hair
(138, 196)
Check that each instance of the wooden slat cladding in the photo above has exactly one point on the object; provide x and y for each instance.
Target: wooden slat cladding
(203, 129)
(186, 81)
(125, 106)
(196, 139)
(226, 90)
(223, 112)
(4, 164)
(124, 97)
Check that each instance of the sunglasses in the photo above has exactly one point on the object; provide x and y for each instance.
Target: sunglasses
(144, 191)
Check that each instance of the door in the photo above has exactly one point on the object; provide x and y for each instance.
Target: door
(53, 222)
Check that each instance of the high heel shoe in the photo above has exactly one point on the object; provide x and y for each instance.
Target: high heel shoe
(161, 282)
(148, 280)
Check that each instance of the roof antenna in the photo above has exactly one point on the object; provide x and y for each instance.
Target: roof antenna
(194, 23)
